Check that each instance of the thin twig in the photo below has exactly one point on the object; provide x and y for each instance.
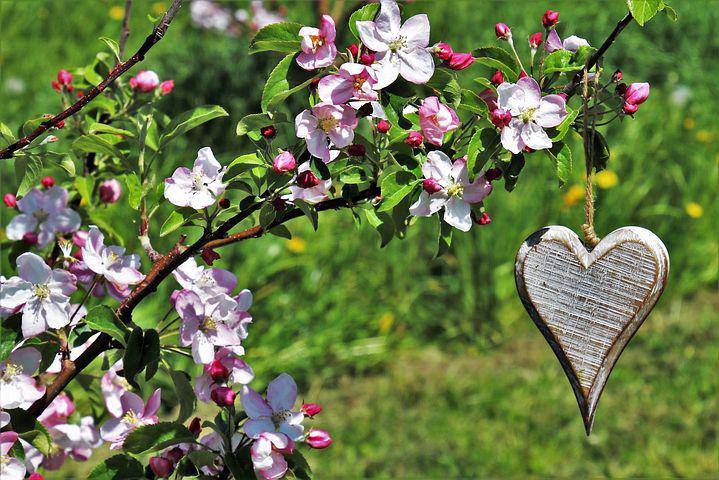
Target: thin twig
(125, 29)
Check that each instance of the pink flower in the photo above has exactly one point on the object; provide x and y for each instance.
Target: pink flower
(311, 409)
(10, 200)
(145, 81)
(113, 388)
(110, 191)
(436, 119)
(570, 43)
(317, 438)
(308, 188)
(267, 455)
(167, 86)
(535, 40)
(44, 294)
(460, 61)
(64, 77)
(353, 81)
(18, 389)
(550, 18)
(45, 212)
(284, 162)
(502, 31)
(109, 261)
(77, 441)
(11, 468)
(326, 123)
(275, 413)
(227, 364)
(135, 413)
(457, 192)
(401, 49)
(636, 93)
(197, 188)
(531, 114)
(318, 45)
(57, 412)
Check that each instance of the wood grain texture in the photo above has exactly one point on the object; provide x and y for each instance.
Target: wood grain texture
(588, 305)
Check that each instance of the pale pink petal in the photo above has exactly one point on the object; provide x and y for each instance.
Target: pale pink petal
(32, 268)
(254, 427)
(457, 213)
(335, 89)
(416, 66)
(511, 136)
(437, 166)
(370, 38)
(535, 137)
(416, 30)
(511, 97)
(388, 20)
(532, 92)
(553, 42)
(282, 392)
(14, 292)
(153, 404)
(551, 111)
(477, 191)
(255, 406)
(20, 225)
(305, 124)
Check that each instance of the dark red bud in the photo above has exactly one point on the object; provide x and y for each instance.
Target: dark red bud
(30, 238)
(209, 256)
(497, 79)
(492, 174)
(484, 219)
(219, 372)
(223, 396)
(353, 49)
(617, 76)
(268, 132)
(196, 427)
(307, 179)
(162, 467)
(356, 150)
(367, 58)
(383, 126)
(224, 202)
(414, 139)
(311, 409)
(550, 18)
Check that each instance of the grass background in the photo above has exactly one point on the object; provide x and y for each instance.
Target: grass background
(430, 368)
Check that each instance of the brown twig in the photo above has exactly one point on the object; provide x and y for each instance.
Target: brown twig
(157, 33)
(125, 29)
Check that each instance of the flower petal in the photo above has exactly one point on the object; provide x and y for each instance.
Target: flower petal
(20, 225)
(437, 166)
(416, 66)
(282, 392)
(32, 268)
(552, 110)
(511, 136)
(255, 406)
(416, 30)
(457, 213)
(535, 137)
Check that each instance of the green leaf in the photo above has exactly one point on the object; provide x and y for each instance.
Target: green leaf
(185, 394)
(157, 437)
(84, 186)
(190, 119)
(644, 10)
(511, 173)
(383, 223)
(286, 78)
(202, 458)
(68, 165)
(132, 359)
(267, 215)
(98, 144)
(444, 239)
(278, 37)
(28, 170)
(119, 467)
(6, 134)
(254, 121)
(243, 164)
(475, 146)
(670, 12)
(134, 190)
(366, 13)
(395, 187)
(114, 47)
(563, 128)
(309, 212)
(281, 231)
(103, 319)
(561, 156)
(10, 335)
(299, 466)
(558, 61)
(496, 57)
(174, 221)
(39, 438)
(472, 103)
(600, 152)
(104, 128)
(150, 352)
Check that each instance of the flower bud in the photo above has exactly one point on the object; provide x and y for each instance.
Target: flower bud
(209, 256)
(35, 476)
(80, 237)
(617, 76)
(30, 238)
(367, 58)
(414, 139)
(314, 82)
(268, 132)
(364, 111)
(497, 79)
(317, 438)
(563, 95)
(550, 18)
(56, 86)
(110, 191)
(492, 174)
(356, 150)
(174, 455)
(484, 219)
(307, 179)
(522, 74)
(161, 467)
(223, 396)
(637, 93)
(354, 50)
(80, 94)
(502, 31)
(60, 124)
(10, 200)
(284, 162)
(460, 61)
(145, 81)
(431, 185)
(383, 126)
(443, 51)
(195, 427)
(535, 40)
(64, 77)
(630, 108)
(279, 204)
(311, 409)
(621, 89)
(218, 371)
(501, 118)
(224, 202)
(167, 86)
(48, 181)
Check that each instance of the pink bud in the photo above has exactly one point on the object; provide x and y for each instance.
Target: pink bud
(60, 124)
(80, 237)
(501, 118)
(637, 93)
(414, 139)
(630, 108)
(353, 49)
(550, 18)
(209, 256)
(563, 95)
(497, 79)
(35, 476)
(223, 396)
(64, 77)
(80, 94)
(284, 162)
(110, 191)
(502, 31)
(146, 81)
(307, 179)
(383, 126)
(51, 139)
(218, 371)
(195, 427)
(431, 185)
(535, 40)
(443, 51)
(161, 467)
(460, 61)
(522, 74)
(356, 150)
(311, 409)
(484, 219)
(617, 76)
(10, 200)
(48, 181)
(56, 86)
(30, 238)
(167, 86)
(367, 58)
(317, 438)
(492, 174)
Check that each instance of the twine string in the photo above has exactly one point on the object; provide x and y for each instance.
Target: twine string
(590, 235)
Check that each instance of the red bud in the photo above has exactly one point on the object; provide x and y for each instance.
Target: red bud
(10, 200)
(414, 139)
(550, 18)
(162, 467)
(223, 396)
(307, 179)
(383, 126)
(48, 181)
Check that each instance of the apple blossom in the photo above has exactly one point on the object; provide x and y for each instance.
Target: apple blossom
(401, 49)
(18, 389)
(436, 119)
(110, 191)
(318, 45)
(10, 200)
(535, 40)
(145, 81)
(206, 282)
(502, 31)
(113, 388)
(353, 81)
(45, 212)
(197, 188)
(11, 468)
(550, 18)
(443, 51)
(43, 292)
(135, 413)
(78, 441)
(317, 438)
(284, 162)
(555, 43)
(308, 188)
(457, 192)
(531, 113)
(275, 413)
(110, 262)
(57, 412)
(267, 454)
(636, 93)
(326, 122)
(226, 364)
(460, 61)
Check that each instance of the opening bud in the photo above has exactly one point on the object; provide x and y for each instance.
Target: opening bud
(502, 31)
(311, 409)
(443, 51)
(431, 185)
(223, 396)
(219, 372)
(550, 18)
(317, 438)
(307, 179)
(284, 162)
(414, 139)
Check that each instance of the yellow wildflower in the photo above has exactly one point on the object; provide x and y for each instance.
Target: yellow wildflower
(296, 245)
(117, 12)
(694, 210)
(606, 179)
(689, 123)
(704, 136)
(574, 194)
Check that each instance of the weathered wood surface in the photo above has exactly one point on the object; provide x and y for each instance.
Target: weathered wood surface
(588, 305)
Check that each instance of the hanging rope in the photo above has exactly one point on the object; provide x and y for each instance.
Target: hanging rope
(590, 235)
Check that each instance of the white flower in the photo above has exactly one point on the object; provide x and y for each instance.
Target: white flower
(197, 188)
(45, 212)
(401, 50)
(18, 389)
(109, 261)
(275, 413)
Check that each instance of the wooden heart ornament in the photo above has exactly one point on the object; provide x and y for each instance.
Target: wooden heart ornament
(588, 305)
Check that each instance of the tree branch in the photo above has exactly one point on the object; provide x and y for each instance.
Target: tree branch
(125, 28)
(157, 33)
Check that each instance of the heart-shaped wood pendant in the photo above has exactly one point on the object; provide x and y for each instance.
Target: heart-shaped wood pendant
(588, 305)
